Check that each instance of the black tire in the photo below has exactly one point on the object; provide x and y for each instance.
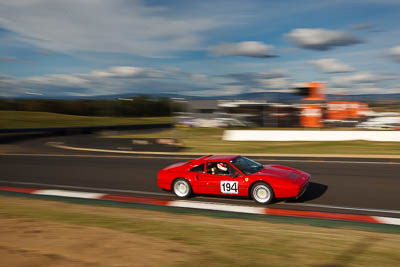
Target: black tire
(262, 193)
(181, 188)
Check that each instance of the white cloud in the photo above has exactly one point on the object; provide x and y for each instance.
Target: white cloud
(58, 79)
(321, 39)
(259, 81)
(118, 72)
(360, 78)
(394, 52)
(114, 80)
(331, 65)
(227, 90)
(132, 27)
(245, 49)
(276, 83)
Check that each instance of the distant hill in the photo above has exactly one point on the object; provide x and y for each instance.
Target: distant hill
(268, 96)
(368, 97)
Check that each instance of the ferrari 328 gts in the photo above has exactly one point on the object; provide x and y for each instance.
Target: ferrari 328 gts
(233, 175)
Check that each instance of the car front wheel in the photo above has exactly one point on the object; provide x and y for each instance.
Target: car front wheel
(181, 188)
(262, 193)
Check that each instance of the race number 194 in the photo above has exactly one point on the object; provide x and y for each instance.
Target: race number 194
(229, 187)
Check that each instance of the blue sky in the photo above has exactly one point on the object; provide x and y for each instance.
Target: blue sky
(98, 47)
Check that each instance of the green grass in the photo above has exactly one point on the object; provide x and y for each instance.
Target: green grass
(225, 242)
(27, 119)
(204, 140)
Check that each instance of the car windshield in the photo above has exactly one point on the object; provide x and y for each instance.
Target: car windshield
(247, 166)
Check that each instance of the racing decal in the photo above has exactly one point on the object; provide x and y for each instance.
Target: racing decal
(229, 187)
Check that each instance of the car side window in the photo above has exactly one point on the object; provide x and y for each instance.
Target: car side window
(221, 168)
(211, 167)
(198, 168)
(233, 172)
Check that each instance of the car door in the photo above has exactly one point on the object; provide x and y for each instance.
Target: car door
(232, 182)
(195, 175)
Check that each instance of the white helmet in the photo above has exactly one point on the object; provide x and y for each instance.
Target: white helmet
(222, 167)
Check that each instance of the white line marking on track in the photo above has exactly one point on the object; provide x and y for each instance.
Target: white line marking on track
(387, 220)
(189, 158)
(65, 193)
(89, 188)
(314, 205)
(114, 151)
(216, 206)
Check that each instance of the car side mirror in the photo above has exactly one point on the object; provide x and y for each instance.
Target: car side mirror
(236, 174)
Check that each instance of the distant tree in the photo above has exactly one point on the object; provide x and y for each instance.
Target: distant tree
(140, 106)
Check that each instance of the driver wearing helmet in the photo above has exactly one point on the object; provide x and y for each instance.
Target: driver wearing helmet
(222, 168)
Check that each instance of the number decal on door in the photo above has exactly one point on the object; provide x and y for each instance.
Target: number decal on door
(229, 187)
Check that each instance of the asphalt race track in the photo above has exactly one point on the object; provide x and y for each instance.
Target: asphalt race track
(359, 186)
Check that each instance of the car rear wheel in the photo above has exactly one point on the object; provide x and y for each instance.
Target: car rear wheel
(181, 188)
(262, 193)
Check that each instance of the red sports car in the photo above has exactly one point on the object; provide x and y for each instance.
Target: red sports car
(233, 175)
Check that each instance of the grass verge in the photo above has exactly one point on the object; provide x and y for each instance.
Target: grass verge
(218, 242)
(205, 141)
(27, 119)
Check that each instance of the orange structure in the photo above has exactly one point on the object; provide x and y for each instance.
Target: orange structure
(314, 106)
(342, 110)
(353, 109)
(311, 115)
(337, 110)
(316, 91)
